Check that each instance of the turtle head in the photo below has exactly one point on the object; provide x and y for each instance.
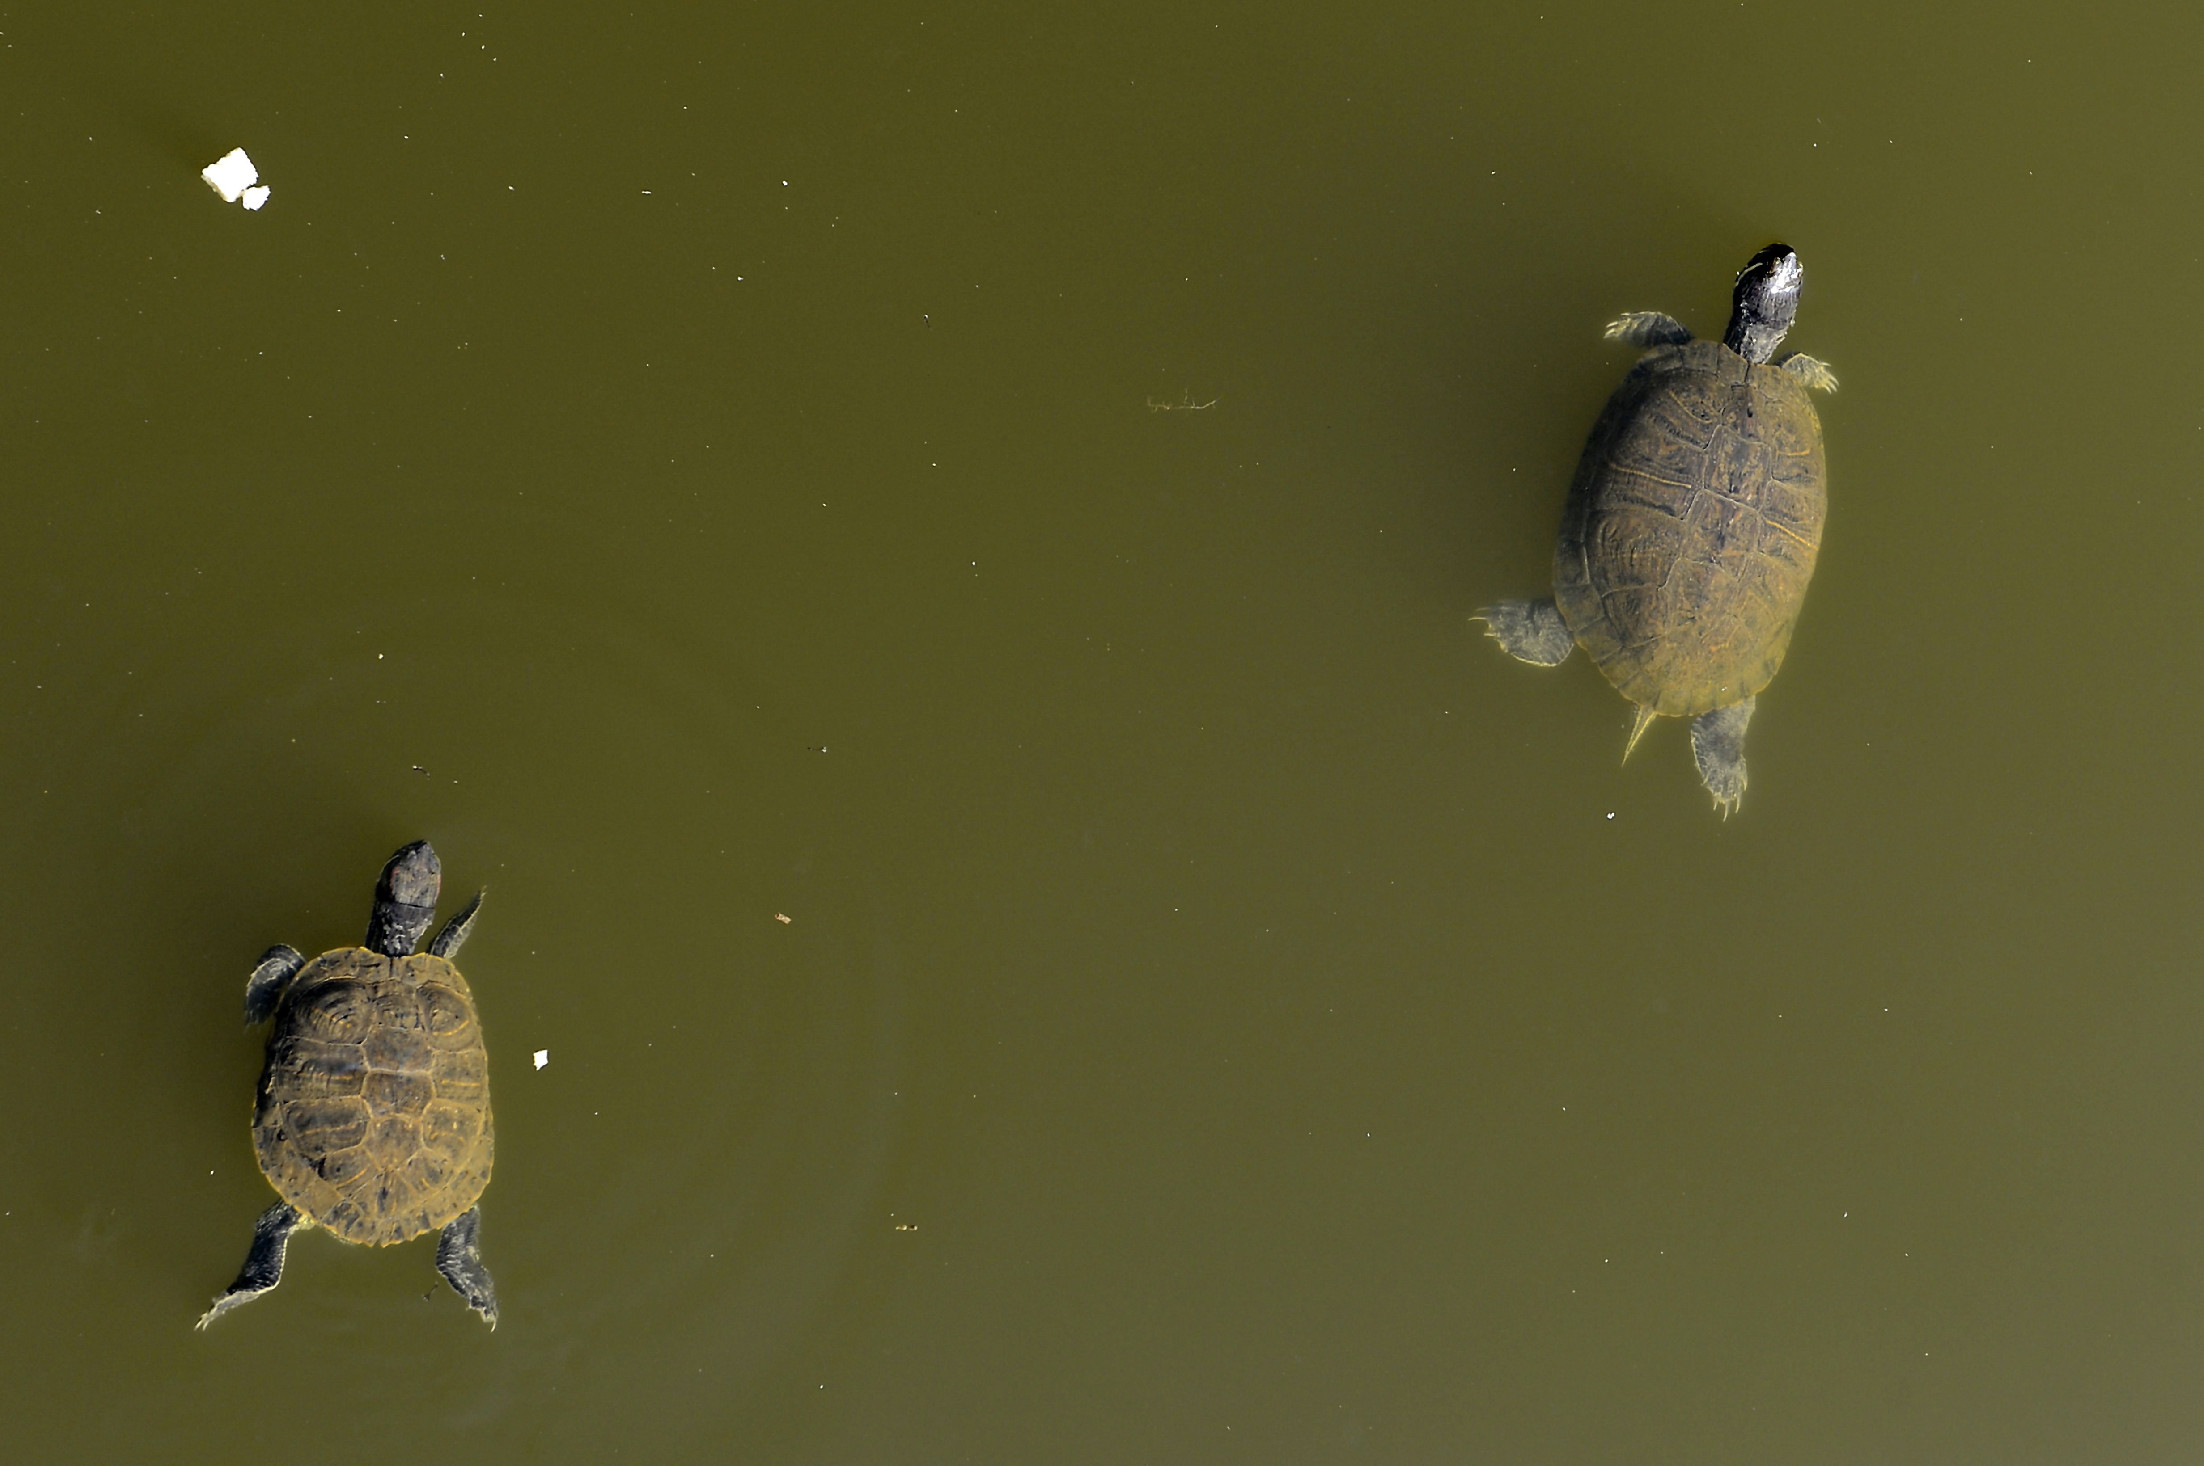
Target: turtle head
(1766, 302)
(405, 900)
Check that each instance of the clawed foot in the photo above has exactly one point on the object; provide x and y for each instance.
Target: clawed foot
(1718, 747)
(1529, 631)
(1648, 328)
(459, 1259)
(1813, 373)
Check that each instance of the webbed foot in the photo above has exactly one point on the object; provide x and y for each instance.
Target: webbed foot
(1814, 373)
(1648, 328)
(459, 1259)
(263, 1267)
(1718, 747)
(457, 929)
(265, 988)
(1529, 631)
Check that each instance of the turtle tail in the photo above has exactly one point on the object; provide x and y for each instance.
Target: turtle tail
(1643, 721)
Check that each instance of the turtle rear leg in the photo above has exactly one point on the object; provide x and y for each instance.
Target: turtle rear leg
(1648, 328)
(263, 1267)
(1718, 747)
(459, 1259)
(1529, 631)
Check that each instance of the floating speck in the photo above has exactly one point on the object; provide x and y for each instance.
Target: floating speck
(543, 1057)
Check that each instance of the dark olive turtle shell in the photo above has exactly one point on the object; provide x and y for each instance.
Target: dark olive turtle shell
(374, 1115)
(1692, 527)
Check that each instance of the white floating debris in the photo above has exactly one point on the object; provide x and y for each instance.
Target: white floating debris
(543, 1057)
(783, 920)
(230, 175)
(234, 177)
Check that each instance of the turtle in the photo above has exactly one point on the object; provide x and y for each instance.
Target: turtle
(374, 1112)
(1692, 523)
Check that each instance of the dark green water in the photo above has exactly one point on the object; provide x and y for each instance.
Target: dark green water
(703, 463)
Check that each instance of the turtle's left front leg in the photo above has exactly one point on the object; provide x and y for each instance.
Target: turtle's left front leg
(1815, 374)
(459, 1259)
(1648, 328)
(265, 988)
(1718, 747)
(263, 1267)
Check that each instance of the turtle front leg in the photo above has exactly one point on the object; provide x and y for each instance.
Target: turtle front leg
(456, 930)
(1648, 328)
(265, 988)
(1814, 374)
(1718, 747)
(263, 1267)
(1529, 631)
(459, 1259)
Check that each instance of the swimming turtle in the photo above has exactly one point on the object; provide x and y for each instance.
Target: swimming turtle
(1692, 523)
(374, 1112)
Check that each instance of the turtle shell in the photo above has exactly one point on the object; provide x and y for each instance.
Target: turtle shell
(1691, 528)
(374, 1114)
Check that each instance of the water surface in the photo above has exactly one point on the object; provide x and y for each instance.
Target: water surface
(1005, 491)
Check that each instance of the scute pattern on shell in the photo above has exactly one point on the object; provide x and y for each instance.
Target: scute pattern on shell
(374, 1114)
(1692, 528)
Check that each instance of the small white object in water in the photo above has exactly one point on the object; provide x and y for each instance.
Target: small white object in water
(234, 177)
(543, 1057)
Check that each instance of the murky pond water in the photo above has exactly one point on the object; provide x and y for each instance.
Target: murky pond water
(1004, 491)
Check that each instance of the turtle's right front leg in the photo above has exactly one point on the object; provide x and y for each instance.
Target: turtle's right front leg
(263, 1267)
(1529, 631)
(455, 931)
